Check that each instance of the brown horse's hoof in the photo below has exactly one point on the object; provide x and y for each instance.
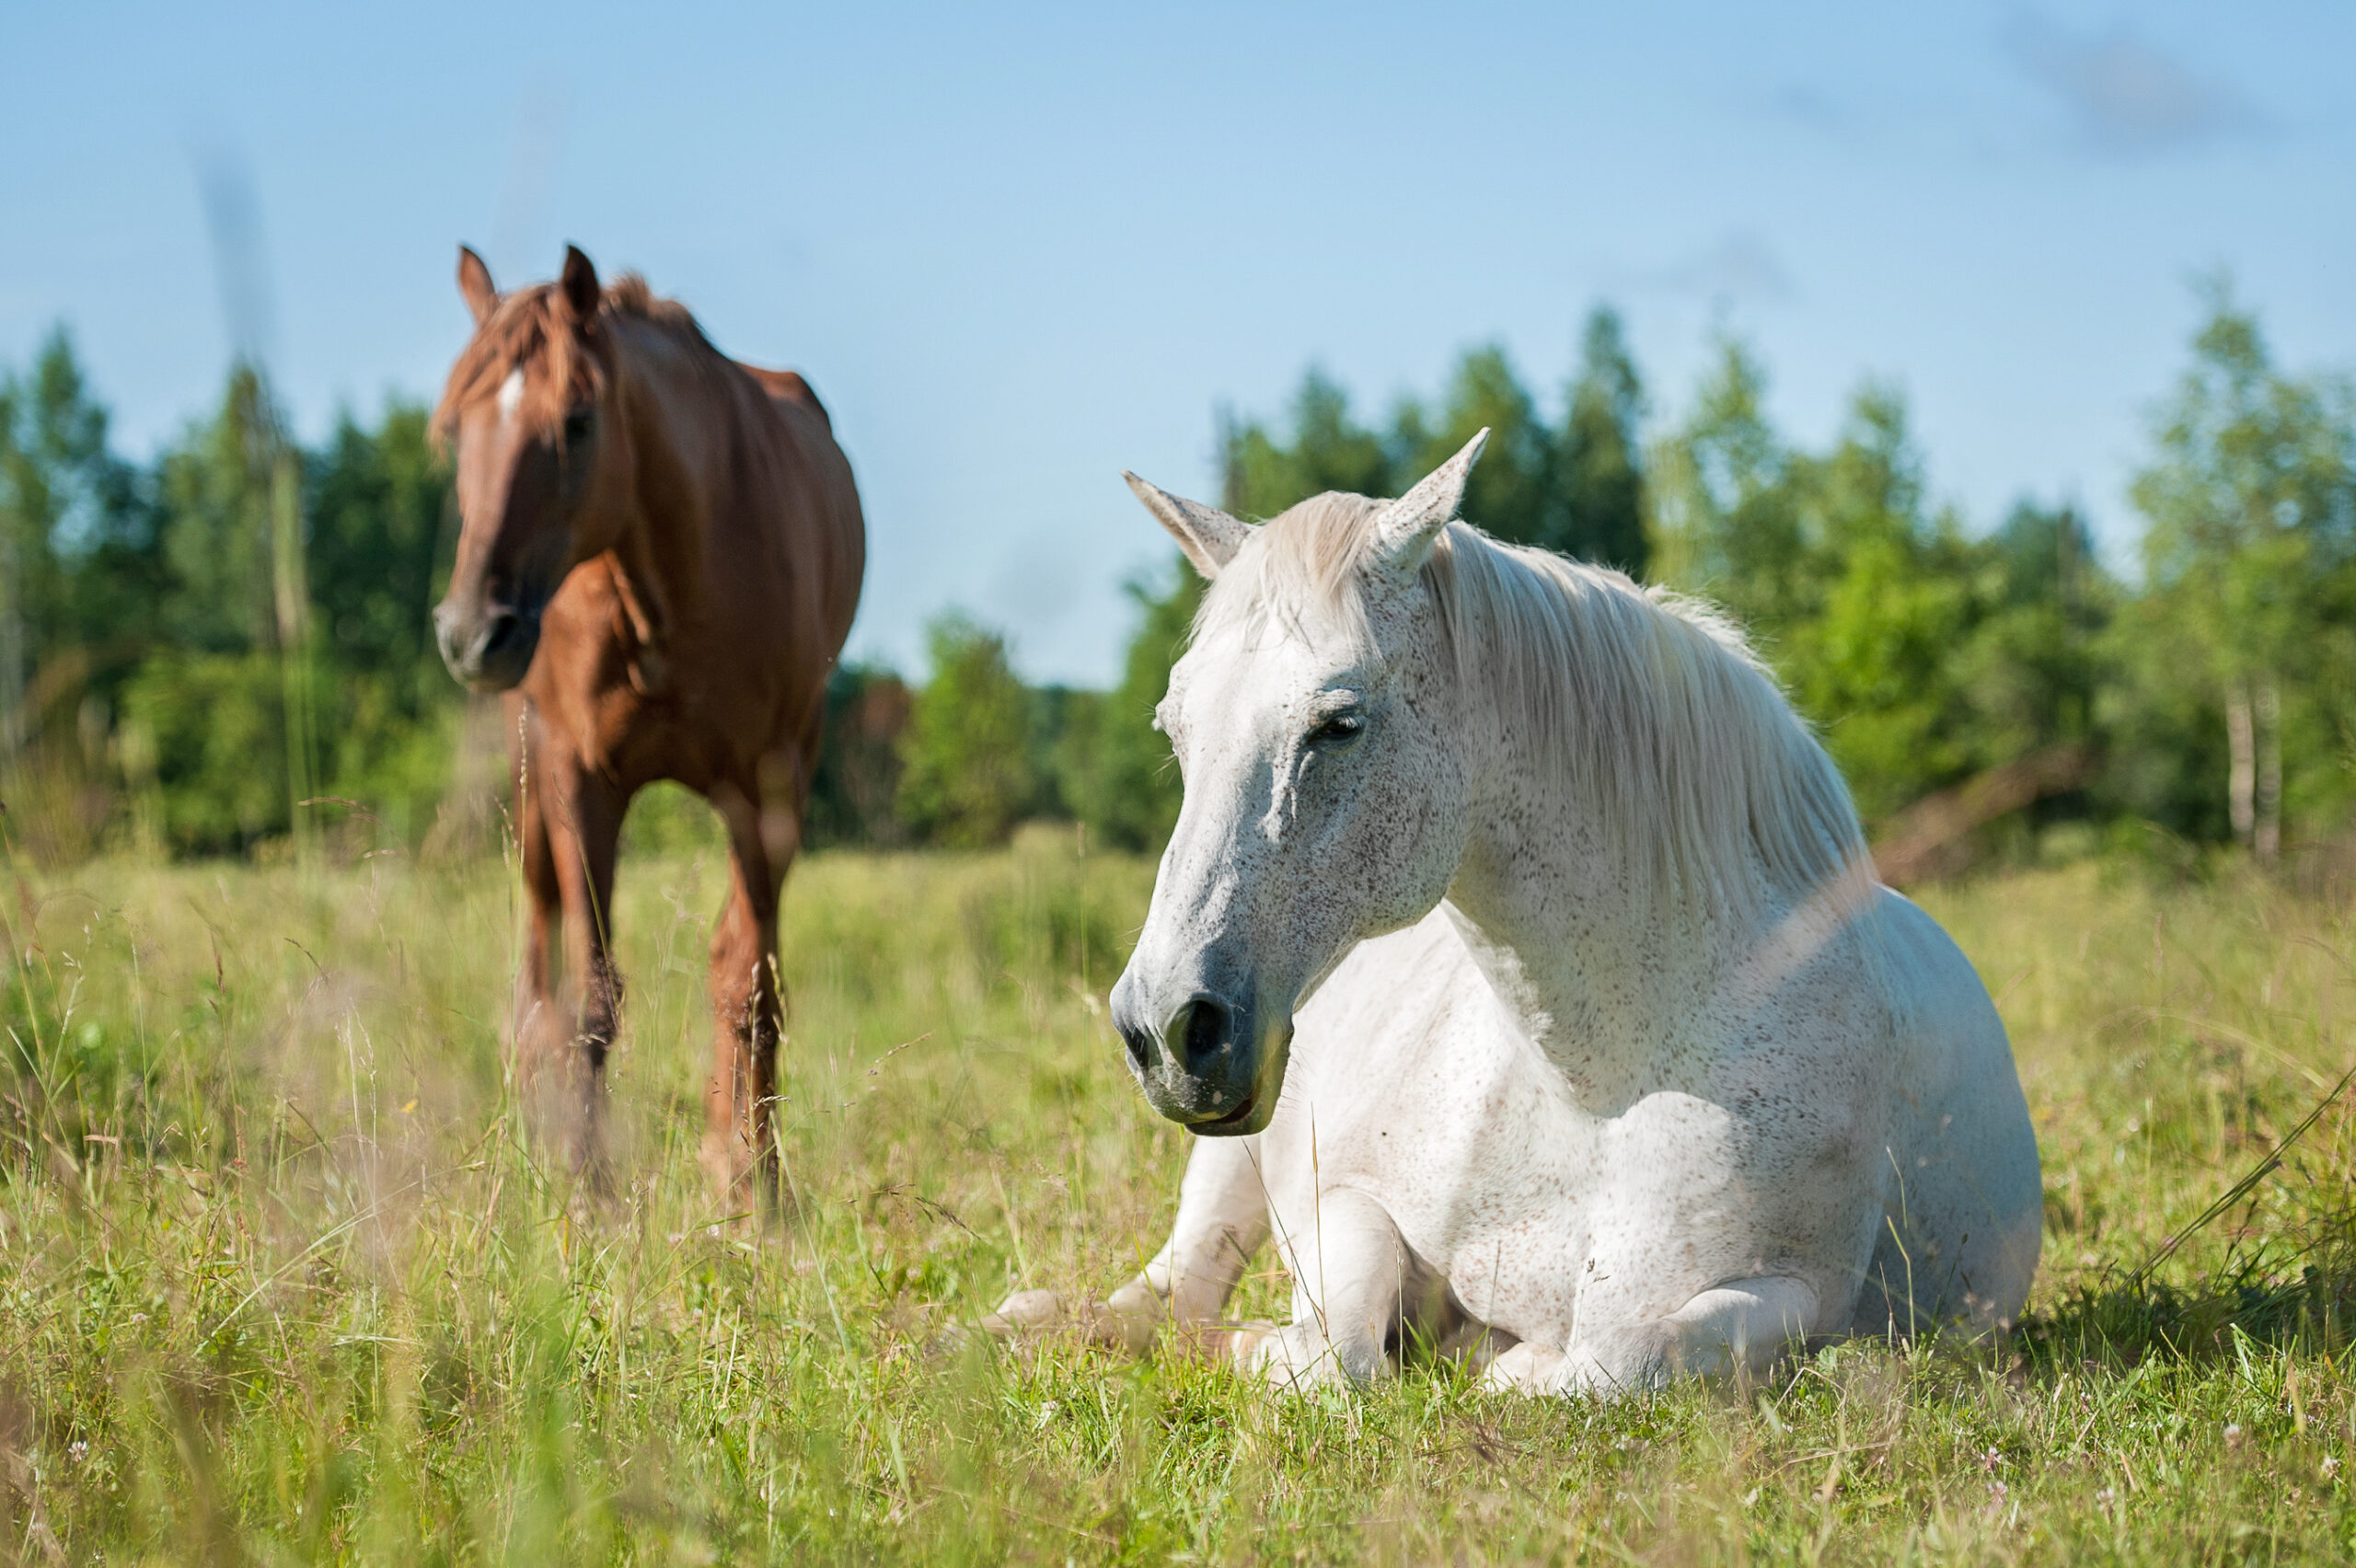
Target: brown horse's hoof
(744, 1184)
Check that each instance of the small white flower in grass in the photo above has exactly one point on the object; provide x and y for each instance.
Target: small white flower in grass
(1998, 1490)
(2233, 1435)
(2106, 1497)
(2330, 1465)
(77, 1450)
(1047, 1414)
(1991, 1458)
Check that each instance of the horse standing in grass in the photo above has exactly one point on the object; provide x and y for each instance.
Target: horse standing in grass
(660, 554)
(1517, 959)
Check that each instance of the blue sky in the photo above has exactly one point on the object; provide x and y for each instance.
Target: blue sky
(1019, 251)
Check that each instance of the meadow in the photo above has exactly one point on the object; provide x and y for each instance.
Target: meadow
(285, 1278)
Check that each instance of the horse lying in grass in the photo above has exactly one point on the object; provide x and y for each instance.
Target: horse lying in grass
(659, 555)
(1519, 964)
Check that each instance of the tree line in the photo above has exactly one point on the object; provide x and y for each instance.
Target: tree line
(229, 645)
(192, 647)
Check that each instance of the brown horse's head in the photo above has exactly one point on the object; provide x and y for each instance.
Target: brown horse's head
(543, 459)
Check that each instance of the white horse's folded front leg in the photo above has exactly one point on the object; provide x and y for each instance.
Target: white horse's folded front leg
(1350, 1270)
(1743, 1324)
(1222, 1219)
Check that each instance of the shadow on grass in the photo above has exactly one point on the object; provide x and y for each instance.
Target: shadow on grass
(2292, 1291)
(2286, 1297)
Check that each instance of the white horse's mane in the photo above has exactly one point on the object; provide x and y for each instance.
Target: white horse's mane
(1651, 704)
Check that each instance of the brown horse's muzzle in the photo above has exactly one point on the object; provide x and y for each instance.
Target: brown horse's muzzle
(489, 648)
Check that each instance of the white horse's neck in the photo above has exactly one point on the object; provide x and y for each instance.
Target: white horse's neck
(1608, 968)
(1602, 974)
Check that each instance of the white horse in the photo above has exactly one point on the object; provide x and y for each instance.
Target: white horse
(1518, 961)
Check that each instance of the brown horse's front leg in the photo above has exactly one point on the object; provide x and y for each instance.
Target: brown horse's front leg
(584, 816)
(748, 1013)
(541, 1028)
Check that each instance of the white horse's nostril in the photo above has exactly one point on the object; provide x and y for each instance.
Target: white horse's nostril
(1199, 1030)
(1140, 1044)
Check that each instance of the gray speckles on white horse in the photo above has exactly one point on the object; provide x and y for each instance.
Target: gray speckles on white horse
(1517, 957)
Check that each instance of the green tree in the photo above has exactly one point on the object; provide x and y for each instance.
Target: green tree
(77, 597)
(214, 493)
(73, 572)
(854, 792)
(147, 616)
(2251, 497)
(379, 506)
(1924, 656)
(1509, 494)
(206, 730)
(967, 756)
(1596, 509)
(1117, 773)
(1576, 486)
(1725, 525)
(203, 735)
(1884, 601)
(2032, 670)
(1329, 451)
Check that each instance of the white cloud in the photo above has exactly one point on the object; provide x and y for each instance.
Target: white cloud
(1738, 268)
(2127, 95)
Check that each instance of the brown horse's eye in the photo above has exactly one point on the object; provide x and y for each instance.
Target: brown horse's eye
(577, 425)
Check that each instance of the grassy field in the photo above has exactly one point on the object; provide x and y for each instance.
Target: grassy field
(282, 1279)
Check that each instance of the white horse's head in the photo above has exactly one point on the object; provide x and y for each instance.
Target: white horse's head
(1327, 796)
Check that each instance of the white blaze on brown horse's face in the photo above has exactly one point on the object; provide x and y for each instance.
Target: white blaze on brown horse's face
(538, 454)
(1326, 798)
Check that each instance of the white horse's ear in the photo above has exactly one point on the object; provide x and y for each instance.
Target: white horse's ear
(1209, 536)
(1404, 530)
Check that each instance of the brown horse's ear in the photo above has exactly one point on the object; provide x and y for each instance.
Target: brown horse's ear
(475, 285)
(579, 286)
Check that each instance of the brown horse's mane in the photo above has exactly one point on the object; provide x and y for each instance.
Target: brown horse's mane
(534, 322)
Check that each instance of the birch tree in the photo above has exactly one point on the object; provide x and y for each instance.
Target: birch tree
(2251, 499)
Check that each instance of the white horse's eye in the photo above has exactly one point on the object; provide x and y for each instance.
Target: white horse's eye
(1339, 728)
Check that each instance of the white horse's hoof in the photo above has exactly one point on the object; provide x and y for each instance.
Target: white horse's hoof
(1130, 1320)
(1023, 1311)
(1298, 1358)
(1529, 1368)
(1239, 1342)
(1290, 1358)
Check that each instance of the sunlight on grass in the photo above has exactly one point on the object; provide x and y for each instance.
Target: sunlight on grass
(284, 1279)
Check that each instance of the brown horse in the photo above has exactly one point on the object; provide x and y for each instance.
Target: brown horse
(658, 557)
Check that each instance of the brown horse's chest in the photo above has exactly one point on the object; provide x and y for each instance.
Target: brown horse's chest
(633, 714)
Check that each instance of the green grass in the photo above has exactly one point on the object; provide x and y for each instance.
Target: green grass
(283, 1280)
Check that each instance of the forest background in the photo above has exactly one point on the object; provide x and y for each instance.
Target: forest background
(226, 651)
